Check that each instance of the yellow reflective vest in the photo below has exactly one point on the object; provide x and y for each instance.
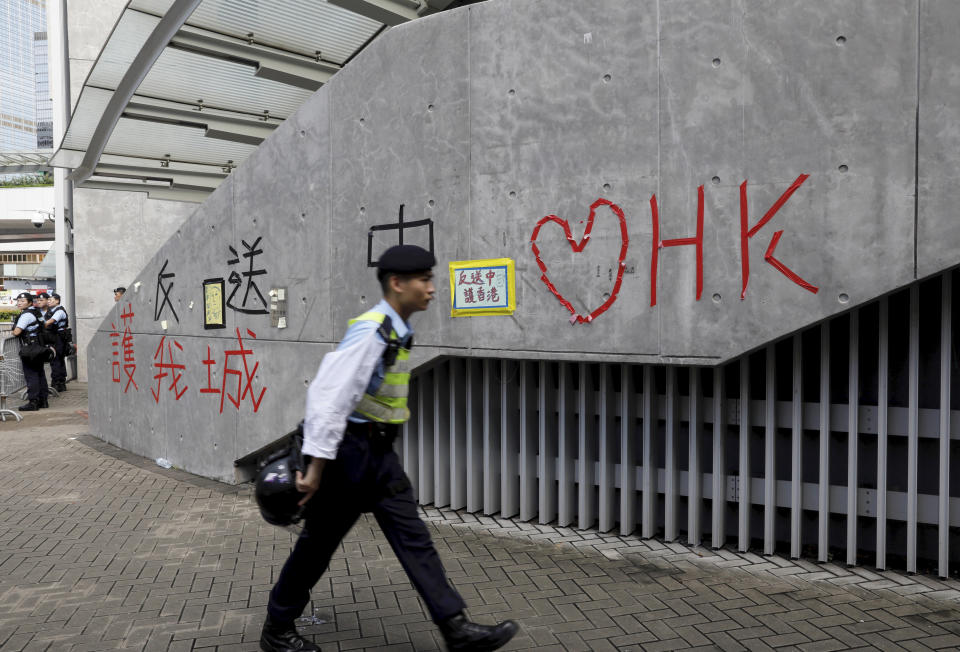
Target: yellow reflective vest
(389, 404)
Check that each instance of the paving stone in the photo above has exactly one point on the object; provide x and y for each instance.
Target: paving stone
(113, 552)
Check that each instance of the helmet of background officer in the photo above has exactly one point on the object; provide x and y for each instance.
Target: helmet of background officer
(405, 273)
(118, 292)
(24, 301)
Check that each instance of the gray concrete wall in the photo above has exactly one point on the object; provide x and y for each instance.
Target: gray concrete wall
(114, 233)
(488, 119)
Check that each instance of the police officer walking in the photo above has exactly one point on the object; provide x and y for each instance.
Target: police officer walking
(355, 407)
(27, 328)
(57, 321)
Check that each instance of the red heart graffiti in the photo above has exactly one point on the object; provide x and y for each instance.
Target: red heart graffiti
(577, 248)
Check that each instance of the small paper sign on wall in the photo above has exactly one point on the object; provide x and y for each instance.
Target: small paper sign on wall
(482, 287)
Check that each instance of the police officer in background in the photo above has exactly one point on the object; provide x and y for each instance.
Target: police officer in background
(356, 405)
(57, 321)
(27, 328)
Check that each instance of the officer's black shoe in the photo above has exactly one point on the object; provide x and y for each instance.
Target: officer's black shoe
(284, 638)
(43, 403)
(460, 634)
(60, 387)
(29, 406)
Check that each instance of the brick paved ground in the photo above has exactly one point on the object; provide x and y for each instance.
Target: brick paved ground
(102, 550)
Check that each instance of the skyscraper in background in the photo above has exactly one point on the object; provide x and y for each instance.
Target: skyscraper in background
(25, 106)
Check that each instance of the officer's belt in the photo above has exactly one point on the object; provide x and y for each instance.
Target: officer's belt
(374, 430)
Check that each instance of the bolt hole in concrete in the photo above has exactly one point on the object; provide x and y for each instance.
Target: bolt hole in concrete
(513, 194)
(843, 298)
(841, 40)
(716, 181)
(303, 133)
(511, 92)
(362, 120)
(363, 209)
(716, 298)
(431, 203)
(606, 79)
(716, 62)
(843, 168)
(429, 107)
(606, 186)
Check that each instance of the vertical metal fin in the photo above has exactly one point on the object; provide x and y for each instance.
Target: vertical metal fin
(549, 440)
(719, 503)
(628, 451)
(853, 441)
(671, 499)
(609, 449)
(796, 458)
(694, 478)
(770, 453)
(946, 338)
(823, 502)
(743, 515)
(649, 481)
(883, 379)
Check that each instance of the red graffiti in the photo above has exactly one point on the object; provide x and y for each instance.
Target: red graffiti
(746, 234)
(577, 247)
(168, 368)
(659, 244)
(244, 377)
(123, 343)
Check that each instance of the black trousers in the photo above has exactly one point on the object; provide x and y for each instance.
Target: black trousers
(58, 367)
(36, 377)
(366, 476)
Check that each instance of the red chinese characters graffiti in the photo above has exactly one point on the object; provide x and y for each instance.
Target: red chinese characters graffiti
(168, 368)
(243, 377)
(122, 346)
(657, 244)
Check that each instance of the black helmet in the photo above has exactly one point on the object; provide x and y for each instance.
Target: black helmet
(276, 488)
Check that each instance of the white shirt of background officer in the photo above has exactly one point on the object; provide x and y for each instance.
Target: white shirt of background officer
(22, 304)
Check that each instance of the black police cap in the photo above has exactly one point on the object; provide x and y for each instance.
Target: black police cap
(405, 259)
(25, 295)
(54, 295)
(43, 295)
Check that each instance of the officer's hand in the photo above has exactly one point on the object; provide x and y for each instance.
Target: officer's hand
(309, 483)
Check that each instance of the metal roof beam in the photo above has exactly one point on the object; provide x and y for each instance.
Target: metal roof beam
(175, 193)
(283, 67)
(215, 125)
(388, 12)
(169, 173)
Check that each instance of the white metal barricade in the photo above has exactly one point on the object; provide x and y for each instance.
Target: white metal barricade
(12, 379)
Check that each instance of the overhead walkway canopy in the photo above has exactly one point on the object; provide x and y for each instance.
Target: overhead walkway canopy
(25, 162)
(184, 90)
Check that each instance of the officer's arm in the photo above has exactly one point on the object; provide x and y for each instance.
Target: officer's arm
(18, 329)
(335, 391)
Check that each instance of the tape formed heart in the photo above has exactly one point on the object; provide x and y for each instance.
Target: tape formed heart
(577, 247)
